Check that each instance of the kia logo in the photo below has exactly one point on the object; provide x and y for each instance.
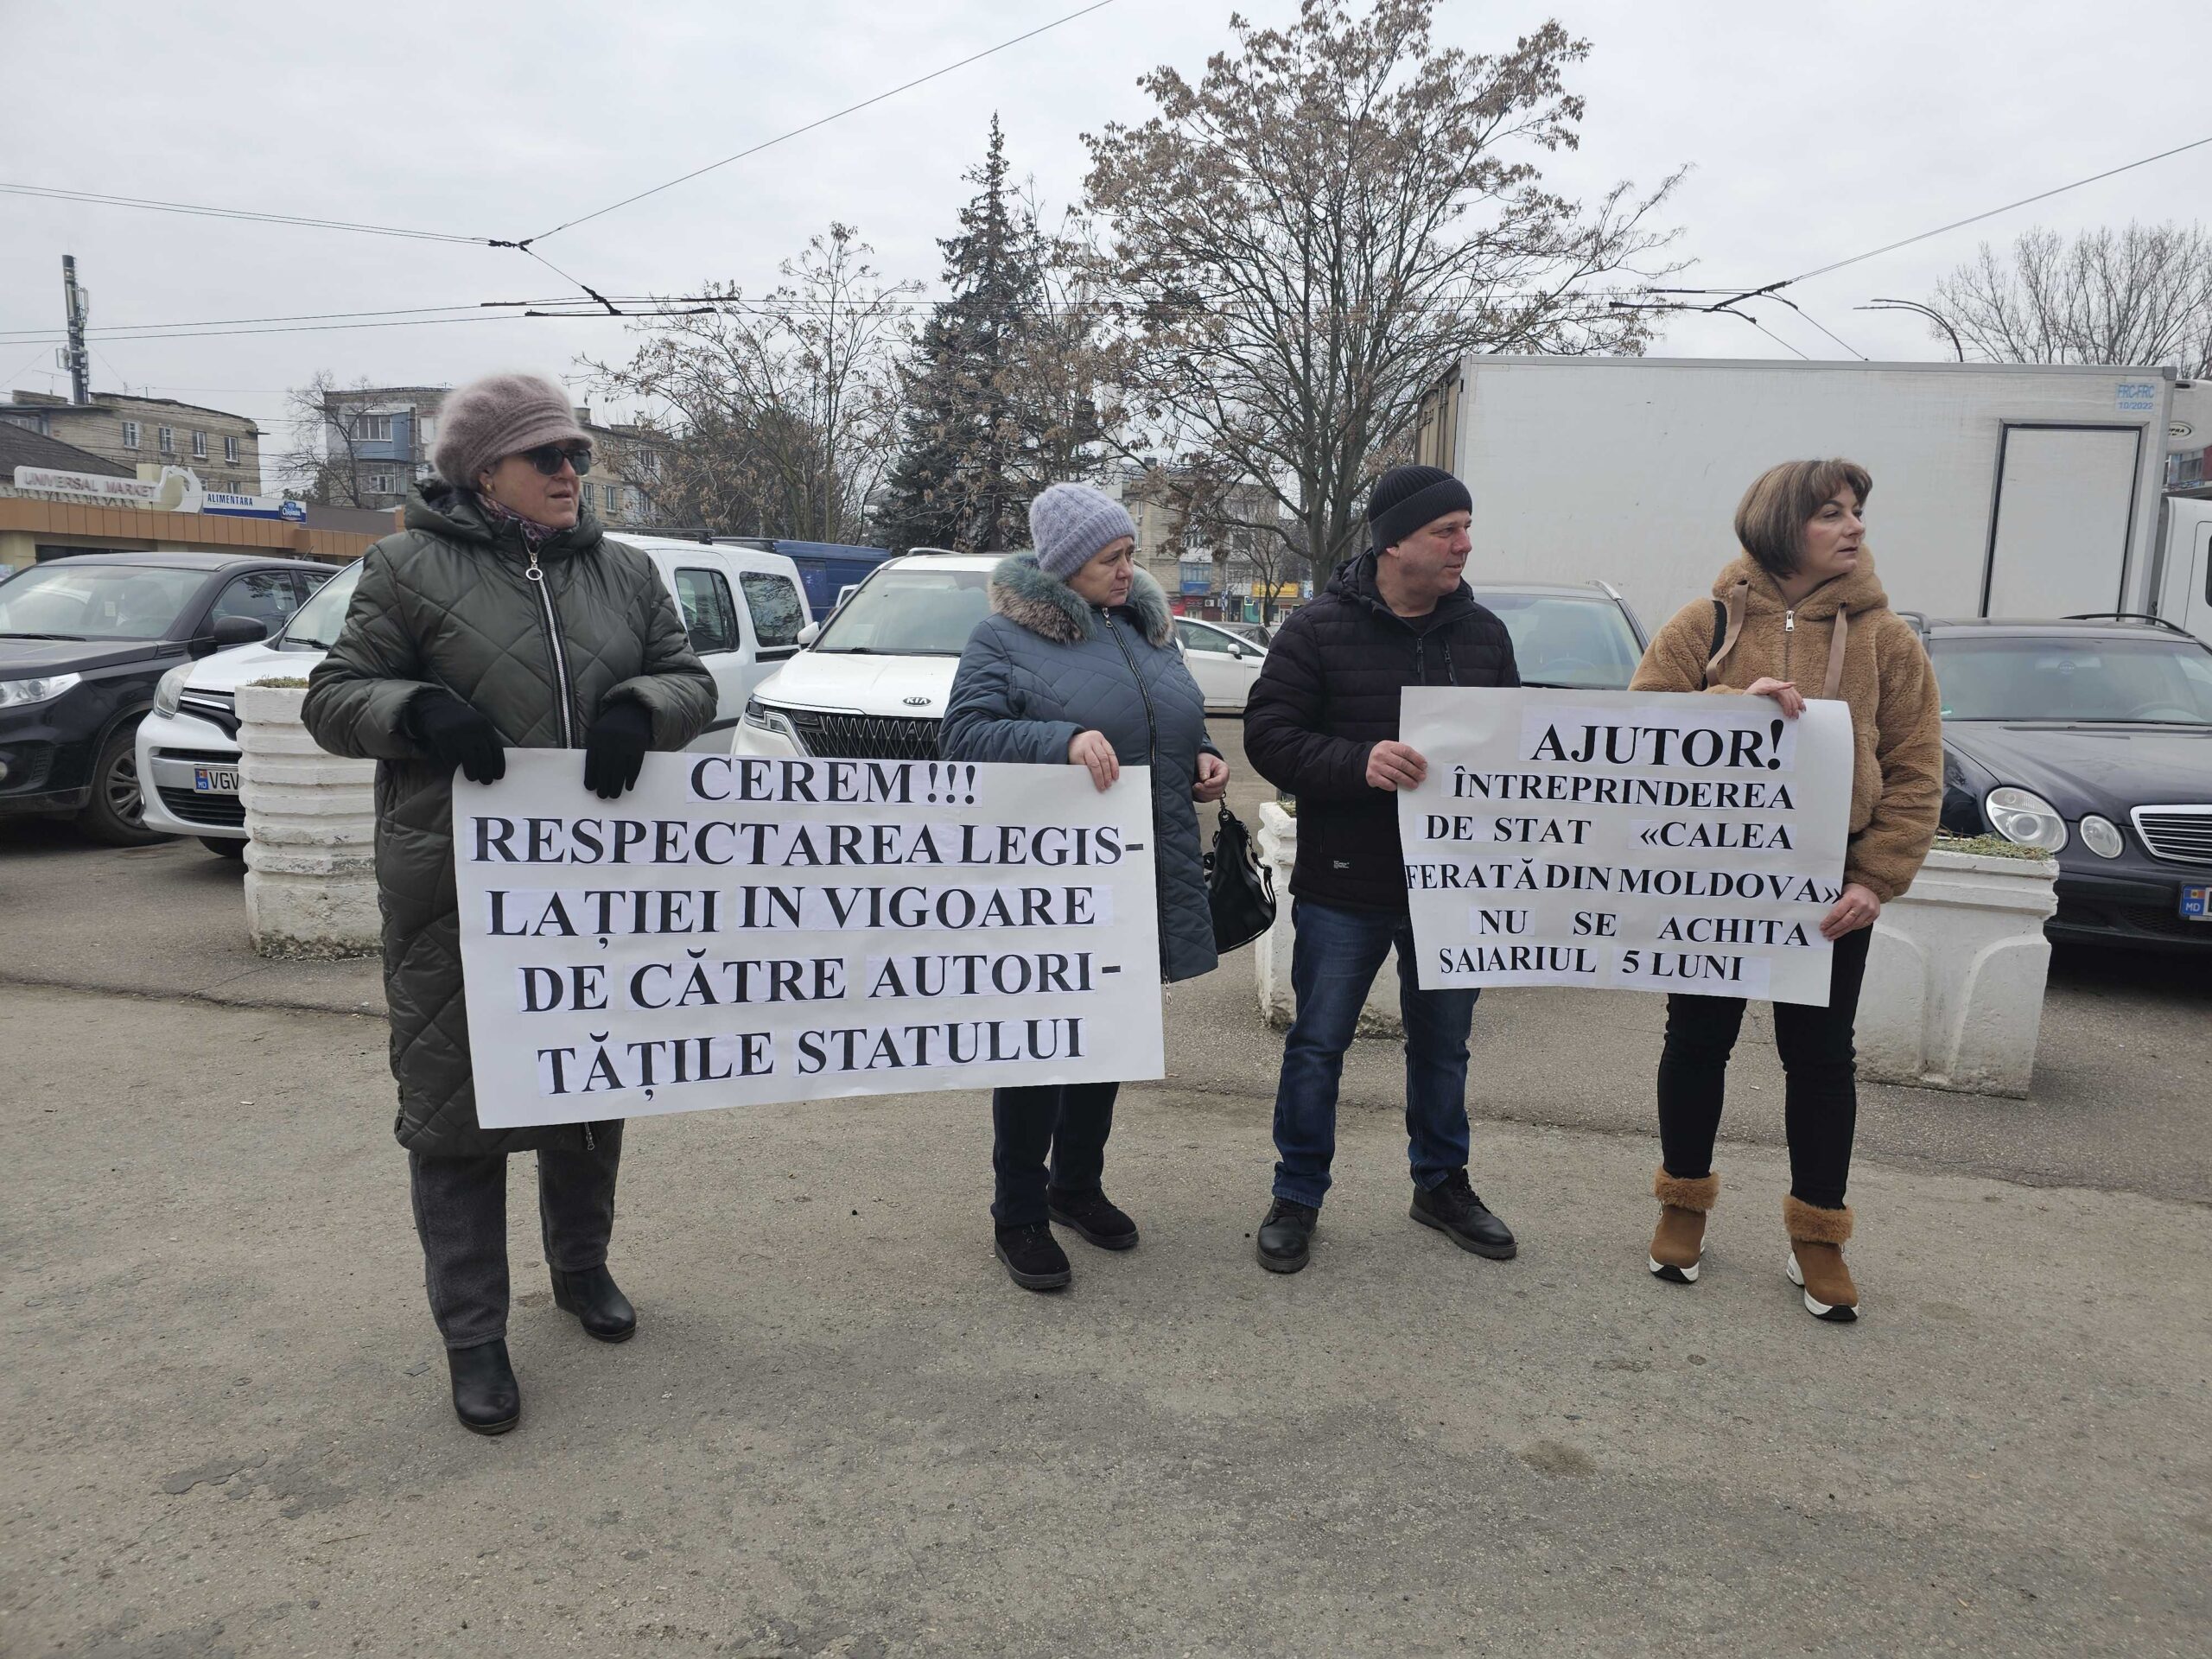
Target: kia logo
(918, 703)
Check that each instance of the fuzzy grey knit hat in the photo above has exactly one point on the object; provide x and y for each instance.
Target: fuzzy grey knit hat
(1069, 523)
(501, 415)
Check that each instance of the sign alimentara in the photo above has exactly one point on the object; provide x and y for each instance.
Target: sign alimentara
(1626, 841)
(736, 931)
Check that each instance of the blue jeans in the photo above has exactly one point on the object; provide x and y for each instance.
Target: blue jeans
(1333, 963)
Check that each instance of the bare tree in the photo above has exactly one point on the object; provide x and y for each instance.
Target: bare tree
(778, 415)
(2139, 297)
(1236, 522)
(1303, 241)
(323, 463)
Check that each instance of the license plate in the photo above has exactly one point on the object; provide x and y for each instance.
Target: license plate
(216, 780)
(2196, 903)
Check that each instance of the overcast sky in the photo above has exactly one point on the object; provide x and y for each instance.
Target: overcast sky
(1815, 130)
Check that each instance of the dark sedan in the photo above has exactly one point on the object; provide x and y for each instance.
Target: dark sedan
(2093, 741)
(82, 642)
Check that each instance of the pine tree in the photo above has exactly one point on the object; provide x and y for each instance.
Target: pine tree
(978, 439)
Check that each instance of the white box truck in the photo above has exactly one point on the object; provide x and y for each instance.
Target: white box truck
(1999, 490)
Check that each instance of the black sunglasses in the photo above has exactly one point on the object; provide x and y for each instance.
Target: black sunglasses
(548, 457)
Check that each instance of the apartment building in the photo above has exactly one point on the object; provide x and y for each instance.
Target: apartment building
(377, 441)
(223, 450)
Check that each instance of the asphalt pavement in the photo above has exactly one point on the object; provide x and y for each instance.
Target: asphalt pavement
(841, 1432)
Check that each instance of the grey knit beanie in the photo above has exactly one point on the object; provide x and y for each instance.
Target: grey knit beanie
(501, 415)
(1069, 523)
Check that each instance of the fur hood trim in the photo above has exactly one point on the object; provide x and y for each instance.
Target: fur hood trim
(1052, 610)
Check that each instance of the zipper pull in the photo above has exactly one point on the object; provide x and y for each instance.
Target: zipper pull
(534, 573)
(1788, 618)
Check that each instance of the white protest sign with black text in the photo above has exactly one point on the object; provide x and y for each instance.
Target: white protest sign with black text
(735, 930)
(1626, 840)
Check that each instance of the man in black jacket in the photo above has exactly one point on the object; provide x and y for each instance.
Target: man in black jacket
(1322, 724)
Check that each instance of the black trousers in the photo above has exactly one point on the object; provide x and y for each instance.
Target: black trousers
(1820, 1103)
(461, 1214)
(1069, 1121)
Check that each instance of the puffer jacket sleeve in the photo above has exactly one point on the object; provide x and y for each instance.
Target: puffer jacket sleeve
(675, 687)
(983, 719)
(1888, 853)
(1282, 726)
(358, 693)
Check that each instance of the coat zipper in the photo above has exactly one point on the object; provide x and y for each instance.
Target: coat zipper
(537, 575)
(1152, 763)
(560, 657)
(1789, 630)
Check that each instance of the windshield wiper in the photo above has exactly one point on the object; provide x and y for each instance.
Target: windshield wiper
(11, 634)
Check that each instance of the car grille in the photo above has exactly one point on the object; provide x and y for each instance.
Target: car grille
(218, 708)
(2183, 834)
(200, 757)
(864, 737)
(227, 810)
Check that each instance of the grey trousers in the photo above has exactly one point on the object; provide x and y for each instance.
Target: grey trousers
(461, 1215)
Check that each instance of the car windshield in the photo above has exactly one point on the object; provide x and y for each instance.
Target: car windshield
(2095, 680)
(1565, 639)
(911, 613)
(316, 627)
(75, 599)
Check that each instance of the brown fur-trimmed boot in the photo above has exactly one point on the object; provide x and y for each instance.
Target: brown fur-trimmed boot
(1679, 1245)
(1816, 1240)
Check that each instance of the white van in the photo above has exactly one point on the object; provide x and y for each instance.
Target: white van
(744, 610)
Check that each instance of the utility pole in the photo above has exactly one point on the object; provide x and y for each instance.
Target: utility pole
(73, 357)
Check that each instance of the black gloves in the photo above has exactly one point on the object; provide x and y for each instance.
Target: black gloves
(455, 735)
(615, 746)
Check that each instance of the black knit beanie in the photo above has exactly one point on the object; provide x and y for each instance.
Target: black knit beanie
(1406, 497)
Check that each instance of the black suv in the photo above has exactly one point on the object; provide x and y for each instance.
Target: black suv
(2090, 738)
(84, 639)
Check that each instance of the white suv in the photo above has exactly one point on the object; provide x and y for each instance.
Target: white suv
(744, 609)
(873, 682)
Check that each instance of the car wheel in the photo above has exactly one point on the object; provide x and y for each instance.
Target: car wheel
(116, 814)
(222, 847)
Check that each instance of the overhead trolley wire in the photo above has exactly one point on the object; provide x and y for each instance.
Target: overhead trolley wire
(850, 109)
(49, 194)
(1975, 219)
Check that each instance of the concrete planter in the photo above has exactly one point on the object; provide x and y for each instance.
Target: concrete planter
(1954, 977)
(1271, 951)
(310, 820)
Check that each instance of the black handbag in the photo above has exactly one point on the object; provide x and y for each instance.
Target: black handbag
(1239, 889)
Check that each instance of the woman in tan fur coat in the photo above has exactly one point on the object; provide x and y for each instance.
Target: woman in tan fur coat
(1800, 613)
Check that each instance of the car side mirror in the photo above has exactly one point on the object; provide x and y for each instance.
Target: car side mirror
(809, 633)
(235, 631)
(1237, 652)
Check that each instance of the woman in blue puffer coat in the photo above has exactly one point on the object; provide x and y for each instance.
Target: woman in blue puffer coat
(1077, 665)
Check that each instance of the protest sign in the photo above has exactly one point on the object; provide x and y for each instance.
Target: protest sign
(736, 930)
(1626, 840)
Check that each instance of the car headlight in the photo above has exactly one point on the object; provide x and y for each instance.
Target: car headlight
(758, 715)
(2022, 816)
(21, 694)
(169, 688)
(2100, 836)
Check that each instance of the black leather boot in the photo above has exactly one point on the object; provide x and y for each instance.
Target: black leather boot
(1286, 1237)
(593, 1296)
(485, 1396)
(1452, 1208)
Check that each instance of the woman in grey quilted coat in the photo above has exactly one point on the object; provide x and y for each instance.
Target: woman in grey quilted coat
(1077, 665)
(499, 618)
